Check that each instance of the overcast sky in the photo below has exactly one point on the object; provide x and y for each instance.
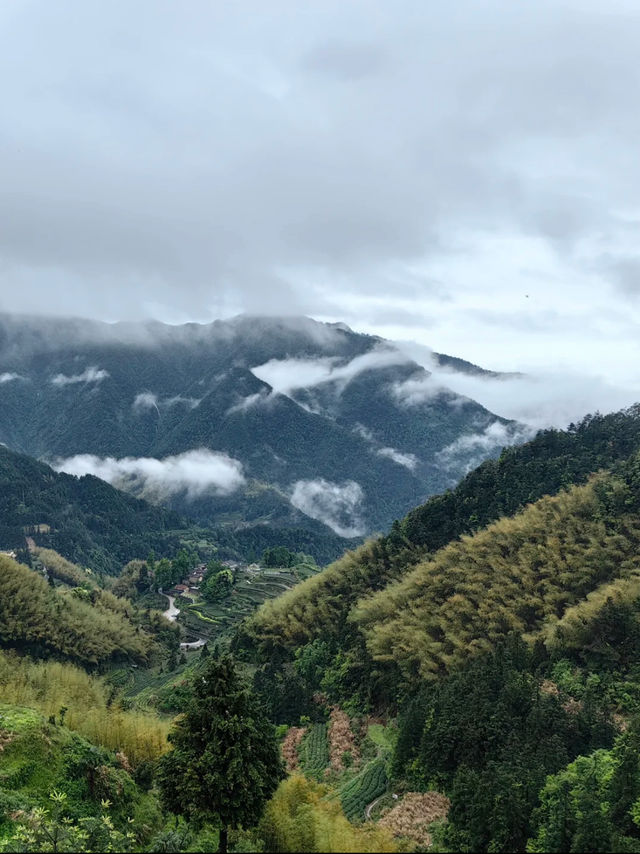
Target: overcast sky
(465, 175)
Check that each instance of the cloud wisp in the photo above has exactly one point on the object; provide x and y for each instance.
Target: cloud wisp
(195, 473)
(287, 375)
(89, 375)
(9, 376)
(472, 448)
(149, 400)
(337, 505)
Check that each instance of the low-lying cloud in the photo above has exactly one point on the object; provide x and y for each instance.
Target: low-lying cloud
(409, 461)
(249, 402)
(471, 449)
(89, 375)
(195, 472)
(149, 400)
(286, 375)
(8, 377)
(337, 505)
(539, 399)
(417, 390)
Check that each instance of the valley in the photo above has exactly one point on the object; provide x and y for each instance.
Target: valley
(485, 644)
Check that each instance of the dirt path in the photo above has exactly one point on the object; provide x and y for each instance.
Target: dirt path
(367, 812)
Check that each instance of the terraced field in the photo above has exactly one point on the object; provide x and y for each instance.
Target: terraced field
(252, 588)
(369, 784)
(314, 751)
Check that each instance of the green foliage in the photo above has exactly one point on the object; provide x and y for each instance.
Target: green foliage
(278, 556)
(511, 577)
(488, 735)
(299, 818)
(368, 785)
(225, 762)
(216, 584)
(91, 709)
(51, 830)
(38, 618)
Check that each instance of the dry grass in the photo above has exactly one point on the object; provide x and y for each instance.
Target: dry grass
(290, 747)
(341, 739)
(413, 815)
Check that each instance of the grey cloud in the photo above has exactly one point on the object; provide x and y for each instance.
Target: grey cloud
(235, 150)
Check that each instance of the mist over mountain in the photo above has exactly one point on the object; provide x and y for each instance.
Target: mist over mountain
(284, 420)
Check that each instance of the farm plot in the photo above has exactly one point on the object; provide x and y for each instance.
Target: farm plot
(314, 751)
(370, 783)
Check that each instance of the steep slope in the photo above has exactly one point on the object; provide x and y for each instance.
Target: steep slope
(513, 576)
(85, 519)
(299, 420)
(37, 618)
(320, 606)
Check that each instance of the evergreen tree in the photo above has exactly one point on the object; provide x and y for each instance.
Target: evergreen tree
(225, 763)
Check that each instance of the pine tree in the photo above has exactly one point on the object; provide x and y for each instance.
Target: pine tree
(225, 763)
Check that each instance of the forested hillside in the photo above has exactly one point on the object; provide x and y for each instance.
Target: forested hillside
(468, 682)
(88, 627)
(553, 460)
(92, 523)
(85, 519)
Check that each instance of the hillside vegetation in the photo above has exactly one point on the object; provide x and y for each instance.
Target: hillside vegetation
(40, 619)
(513, 576)
(555, 459)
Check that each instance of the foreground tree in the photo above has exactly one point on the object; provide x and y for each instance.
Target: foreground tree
(225, 763)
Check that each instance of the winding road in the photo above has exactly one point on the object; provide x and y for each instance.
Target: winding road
(172, 614)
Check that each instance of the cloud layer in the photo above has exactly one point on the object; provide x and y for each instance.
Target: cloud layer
(463, 174)
(194, 472)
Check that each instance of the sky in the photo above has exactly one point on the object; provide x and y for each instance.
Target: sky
(461, 176)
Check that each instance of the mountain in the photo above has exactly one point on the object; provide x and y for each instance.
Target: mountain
(279, 420)
(94, 524)
(326, 606)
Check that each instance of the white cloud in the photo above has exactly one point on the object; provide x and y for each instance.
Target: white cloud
(179, 400)
(148, 400)
(335, 504)
(473, 448)
(286, 375)
(8, 377)
(416, 391)
(538, 398)
(409, 461)
(145, 400)
(249, 401)
(196, 472)
(89, 375)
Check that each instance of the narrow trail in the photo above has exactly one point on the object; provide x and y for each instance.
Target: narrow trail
(367, 812)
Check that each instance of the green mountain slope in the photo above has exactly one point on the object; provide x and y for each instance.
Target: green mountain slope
(85, 519)
(40, 619)
(319, 607)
